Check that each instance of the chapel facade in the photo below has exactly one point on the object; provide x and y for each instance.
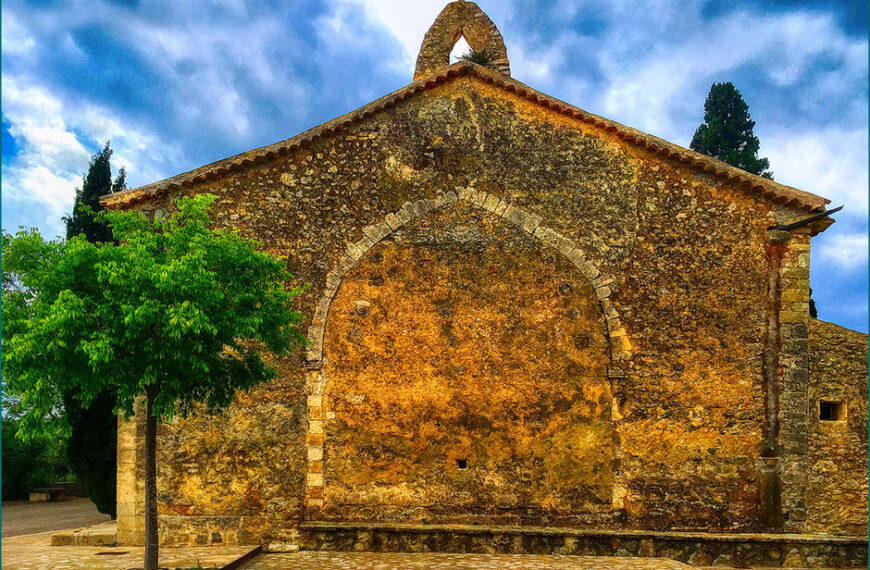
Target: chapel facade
(521, 316)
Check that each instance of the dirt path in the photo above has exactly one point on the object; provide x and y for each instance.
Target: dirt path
(23, 517)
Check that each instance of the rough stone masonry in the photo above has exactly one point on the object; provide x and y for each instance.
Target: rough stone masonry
(519, 314)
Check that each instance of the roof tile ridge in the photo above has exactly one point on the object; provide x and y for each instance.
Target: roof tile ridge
(661, 146)
(225, 165)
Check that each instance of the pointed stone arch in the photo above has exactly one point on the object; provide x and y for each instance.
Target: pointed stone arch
(455, 20)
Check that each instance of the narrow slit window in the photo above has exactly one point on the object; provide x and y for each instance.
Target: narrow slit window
(830, 411)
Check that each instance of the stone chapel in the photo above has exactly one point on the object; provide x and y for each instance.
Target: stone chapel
(530, 329)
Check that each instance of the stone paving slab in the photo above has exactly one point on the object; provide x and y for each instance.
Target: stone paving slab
(34, 552)
(311, 560)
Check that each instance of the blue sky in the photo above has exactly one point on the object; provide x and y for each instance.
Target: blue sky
(176, 85)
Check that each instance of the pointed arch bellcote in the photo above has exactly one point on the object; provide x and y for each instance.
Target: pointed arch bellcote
(459, 19)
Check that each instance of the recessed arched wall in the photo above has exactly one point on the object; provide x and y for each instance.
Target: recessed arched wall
(614, 342)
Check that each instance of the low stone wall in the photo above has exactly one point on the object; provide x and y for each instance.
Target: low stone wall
(702, 549)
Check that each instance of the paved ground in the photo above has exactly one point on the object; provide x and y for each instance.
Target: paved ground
(24, 517)
(34, 552)
(445, 561)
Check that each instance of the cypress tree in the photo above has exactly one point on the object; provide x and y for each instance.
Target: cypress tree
(97, 182)
(726, 132)
(93, 442)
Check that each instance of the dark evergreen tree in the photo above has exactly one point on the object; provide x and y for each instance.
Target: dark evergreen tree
(93, 441)
(97, 182)
(726, 132)
(92, 447)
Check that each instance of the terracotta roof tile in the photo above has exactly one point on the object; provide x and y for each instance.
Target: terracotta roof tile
(772, 190)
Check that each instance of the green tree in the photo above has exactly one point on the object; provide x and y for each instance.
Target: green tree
(34, 462)
(93, 438)
(176, 312)
(96, 183)
(726, 132)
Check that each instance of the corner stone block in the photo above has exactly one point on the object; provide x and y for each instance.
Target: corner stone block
(516, 216)
(312, 355)
(385, 229)
(403, 216)
(553, 239)
(330, 290)
(576, 256)
(566, 246)
(315, 452)
(409, 208)
(451, 196)
(333, 279)
(321, 311)
(589, 270)
(603, 292)
(315, 401)
(531, 223)
(315, 479)
(490, 203)
(345, 264)
(354, 252)
(315, 497)
(373, 233)
(393, 221)
(364, 244)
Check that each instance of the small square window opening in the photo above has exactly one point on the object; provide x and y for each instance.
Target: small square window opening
(462, 464)
(832, 411)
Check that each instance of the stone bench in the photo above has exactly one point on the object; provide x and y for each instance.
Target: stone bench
(56, 492)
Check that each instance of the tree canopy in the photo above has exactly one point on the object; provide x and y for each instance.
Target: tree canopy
(727, 131)
(168, 307)
(174, 309)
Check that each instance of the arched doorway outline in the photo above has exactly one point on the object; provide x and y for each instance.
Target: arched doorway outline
(618, 341)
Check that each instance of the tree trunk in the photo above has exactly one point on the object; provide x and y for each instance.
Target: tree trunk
(150, 481)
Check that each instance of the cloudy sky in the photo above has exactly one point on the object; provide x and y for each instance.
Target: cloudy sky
(176, 85)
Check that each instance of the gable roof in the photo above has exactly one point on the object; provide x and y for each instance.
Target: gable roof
(771, 190)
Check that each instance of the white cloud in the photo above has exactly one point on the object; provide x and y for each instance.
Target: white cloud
(646, 91)
(831, 162)
(16, 39)
(407, 21)
(53, 138)
(848, 251)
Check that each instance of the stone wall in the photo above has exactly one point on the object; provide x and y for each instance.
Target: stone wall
(837, 451)
(467, 375)
(690, 268)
